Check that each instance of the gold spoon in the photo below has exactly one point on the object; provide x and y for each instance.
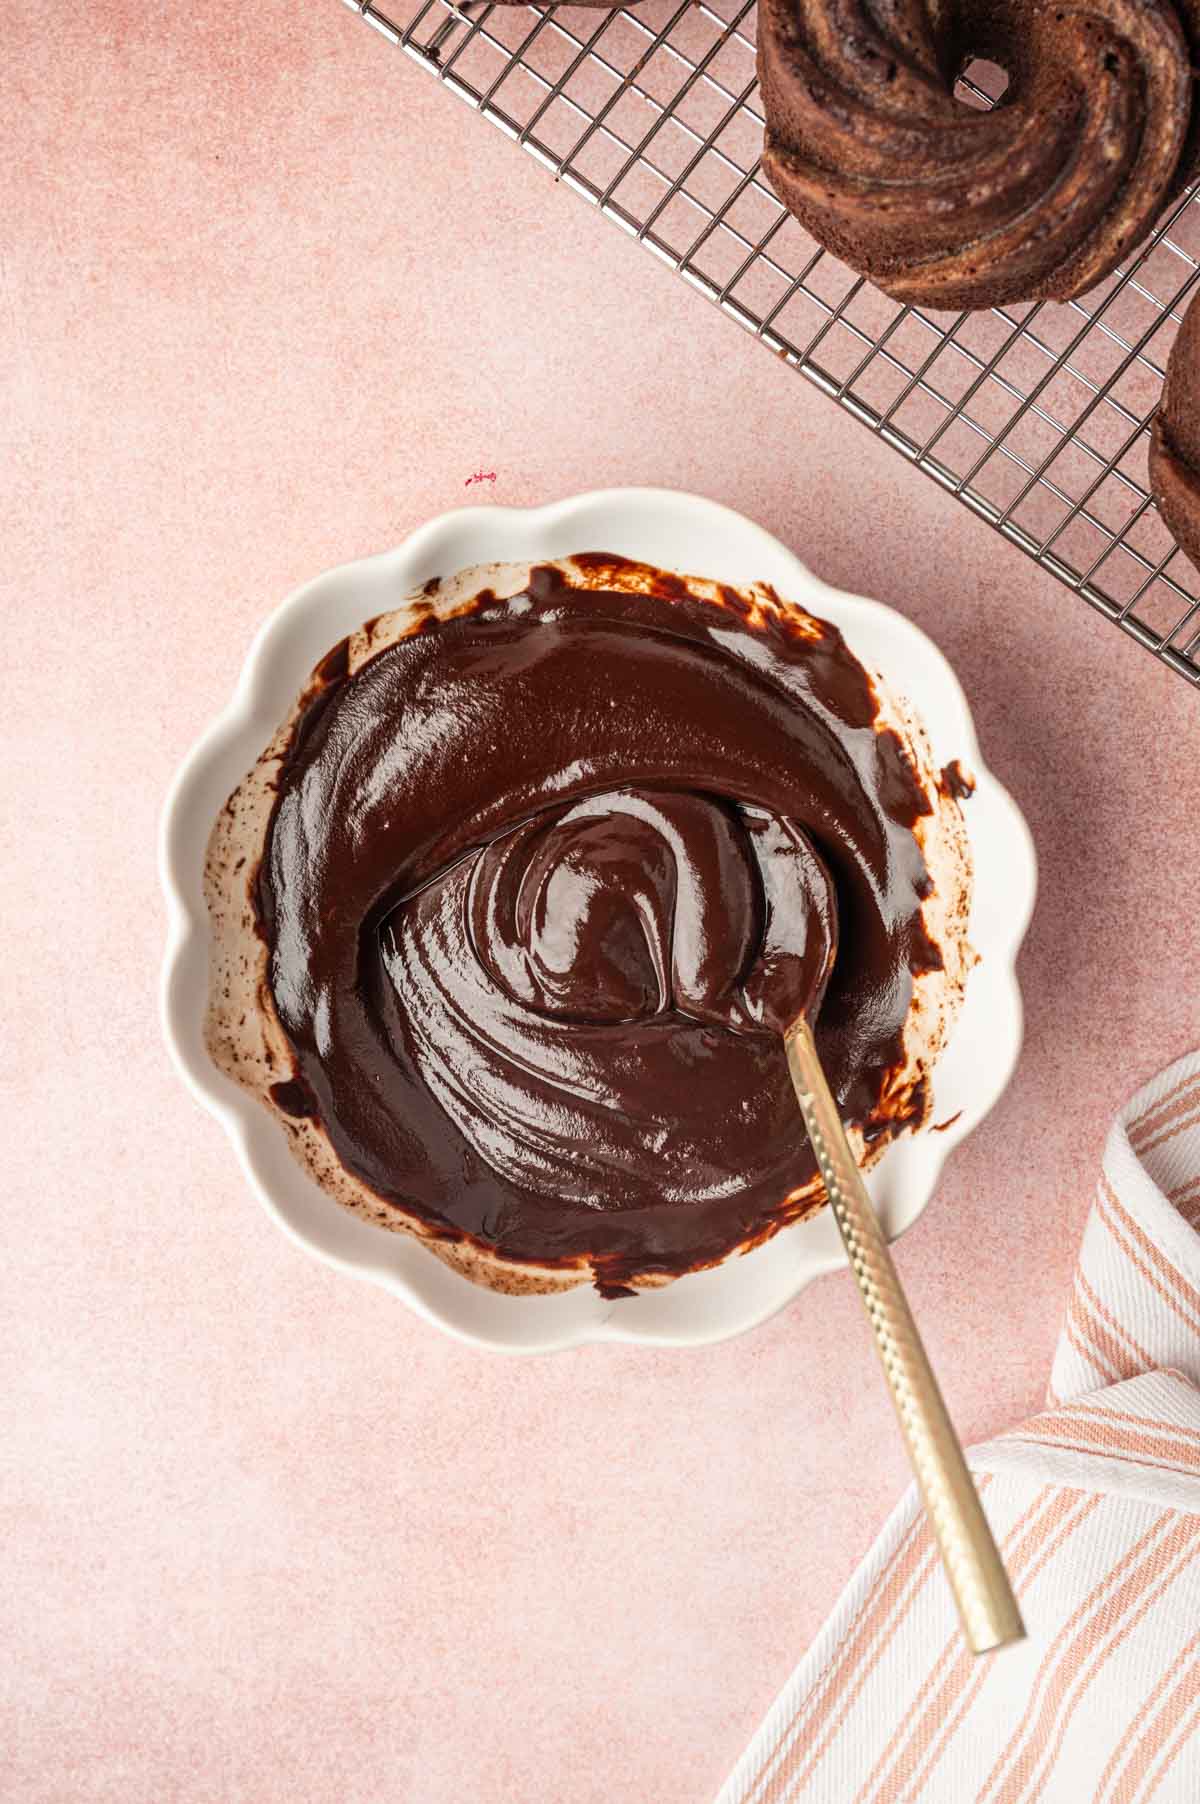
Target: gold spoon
(980, 1584)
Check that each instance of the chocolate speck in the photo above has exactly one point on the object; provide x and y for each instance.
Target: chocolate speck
(335, 665)
(940, 1127)
(294, 1098)
(957, 782)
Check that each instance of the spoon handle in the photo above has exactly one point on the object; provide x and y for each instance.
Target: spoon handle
(980, 1584)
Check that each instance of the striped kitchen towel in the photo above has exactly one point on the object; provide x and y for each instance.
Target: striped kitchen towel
(1096, 1505)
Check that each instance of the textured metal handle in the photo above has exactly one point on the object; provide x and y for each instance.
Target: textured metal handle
(980, 1584)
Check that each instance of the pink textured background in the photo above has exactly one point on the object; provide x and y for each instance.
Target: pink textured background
(268, 297)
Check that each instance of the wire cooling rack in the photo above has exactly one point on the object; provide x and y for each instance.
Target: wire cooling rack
(1034, 416)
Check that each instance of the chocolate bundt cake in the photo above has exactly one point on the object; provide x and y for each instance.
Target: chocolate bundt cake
(1175, 438)
(948, 207)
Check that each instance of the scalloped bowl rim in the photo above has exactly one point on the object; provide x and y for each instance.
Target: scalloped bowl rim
(678, 531)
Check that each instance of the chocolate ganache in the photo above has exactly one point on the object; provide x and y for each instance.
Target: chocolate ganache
(544, 881)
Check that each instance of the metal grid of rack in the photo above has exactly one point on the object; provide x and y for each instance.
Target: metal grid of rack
(1034, 416)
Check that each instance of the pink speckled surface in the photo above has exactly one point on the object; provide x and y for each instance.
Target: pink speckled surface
(268, 298)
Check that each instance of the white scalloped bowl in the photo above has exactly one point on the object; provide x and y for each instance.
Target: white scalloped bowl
(681, 532)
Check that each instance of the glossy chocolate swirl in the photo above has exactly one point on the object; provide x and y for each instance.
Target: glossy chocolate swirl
(948, 207)
(544, 883)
